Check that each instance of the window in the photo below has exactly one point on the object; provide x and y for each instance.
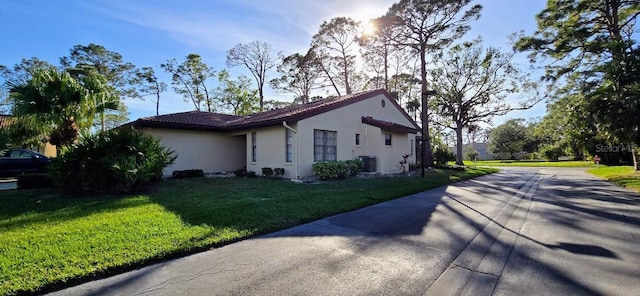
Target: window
(387, 139)
(324, 145)
(254, 147)
(357, 139)
(288, 142)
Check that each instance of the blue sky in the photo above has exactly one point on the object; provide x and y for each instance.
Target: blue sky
(147, 33)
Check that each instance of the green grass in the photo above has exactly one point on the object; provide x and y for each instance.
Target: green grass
(49, 241)
(624, 176)
(534, 163)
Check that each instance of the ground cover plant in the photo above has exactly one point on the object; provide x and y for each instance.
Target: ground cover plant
(624, 176)
(49, 241)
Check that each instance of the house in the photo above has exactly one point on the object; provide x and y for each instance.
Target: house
(482, 148)
(369, 124)
(45, 149)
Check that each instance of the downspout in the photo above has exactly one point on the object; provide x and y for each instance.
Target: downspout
(366, 140)
(284, 123)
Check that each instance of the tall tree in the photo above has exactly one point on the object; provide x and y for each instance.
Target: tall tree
(19, 74)
(149, 85)
(428, 25)
(378, 45)
(508, 139)
(258, 58)
(593, 44)
(237, 95)
(473, 85)
(190, 79)
(335, 46)
(298, 75)
(85, 60)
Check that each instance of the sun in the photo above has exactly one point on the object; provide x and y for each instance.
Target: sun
(369, 29)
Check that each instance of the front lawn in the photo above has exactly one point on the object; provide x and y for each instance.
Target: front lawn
(534, 163)
(624, 176)
(49, 241)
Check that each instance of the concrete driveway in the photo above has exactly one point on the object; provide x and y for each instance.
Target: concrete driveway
(523, 231)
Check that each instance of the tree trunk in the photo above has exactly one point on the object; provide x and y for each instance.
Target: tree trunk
(426, 152)
(459, 156)
(386, 68)
(261, 93)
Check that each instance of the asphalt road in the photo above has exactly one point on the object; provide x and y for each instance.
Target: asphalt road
(523, 231)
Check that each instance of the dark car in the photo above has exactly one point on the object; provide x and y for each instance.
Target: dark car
(17, 161)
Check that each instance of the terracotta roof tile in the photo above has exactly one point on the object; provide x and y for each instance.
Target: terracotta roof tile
(198, 120)
(223, 122)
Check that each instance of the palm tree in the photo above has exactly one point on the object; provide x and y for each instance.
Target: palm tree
(57, 106)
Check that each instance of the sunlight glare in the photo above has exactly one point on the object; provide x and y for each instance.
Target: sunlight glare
(369, 28)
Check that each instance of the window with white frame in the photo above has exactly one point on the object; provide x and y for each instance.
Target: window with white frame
(387, 139)
(289, 144)
(324, 145)
(254, 147)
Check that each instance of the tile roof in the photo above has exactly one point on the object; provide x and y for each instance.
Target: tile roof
(222, 122)
(389, 126)
(196, 120)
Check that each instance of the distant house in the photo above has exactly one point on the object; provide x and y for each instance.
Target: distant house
(45, 149)
(369, 124)
(483, 153)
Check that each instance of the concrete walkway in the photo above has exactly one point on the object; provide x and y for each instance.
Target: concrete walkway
(520, 231)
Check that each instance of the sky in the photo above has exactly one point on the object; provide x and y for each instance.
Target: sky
(147, 33)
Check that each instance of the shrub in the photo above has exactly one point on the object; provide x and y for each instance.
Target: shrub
(332, 170)
(267, 172)
(187, 174)
(31, 181)
(470, 153)
(115, 161)
(240, 172)
(552, 152)
(279, 171)
(251, 174)
(442, 155)
(354, 166)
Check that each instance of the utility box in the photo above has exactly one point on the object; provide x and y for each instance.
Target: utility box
(368, 163)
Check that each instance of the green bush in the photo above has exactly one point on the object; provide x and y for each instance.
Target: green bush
(552, 152)
(115, 161)
(332, 170)
(279, 171)
(354, 166)
(251, 174)
(442, 155)
(268, 172)
(187, 174)
(31, 181)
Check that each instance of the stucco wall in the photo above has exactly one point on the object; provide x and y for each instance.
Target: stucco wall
(347, 121)
(208, 151)
(271, 150)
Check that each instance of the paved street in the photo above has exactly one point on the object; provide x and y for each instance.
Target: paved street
(523, 231)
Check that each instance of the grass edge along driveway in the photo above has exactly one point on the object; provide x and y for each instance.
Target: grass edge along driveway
(49, 241)
(624, 176)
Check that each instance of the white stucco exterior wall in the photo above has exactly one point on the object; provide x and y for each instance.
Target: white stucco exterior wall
(205, 150)
(271, 150)
(347, 121)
